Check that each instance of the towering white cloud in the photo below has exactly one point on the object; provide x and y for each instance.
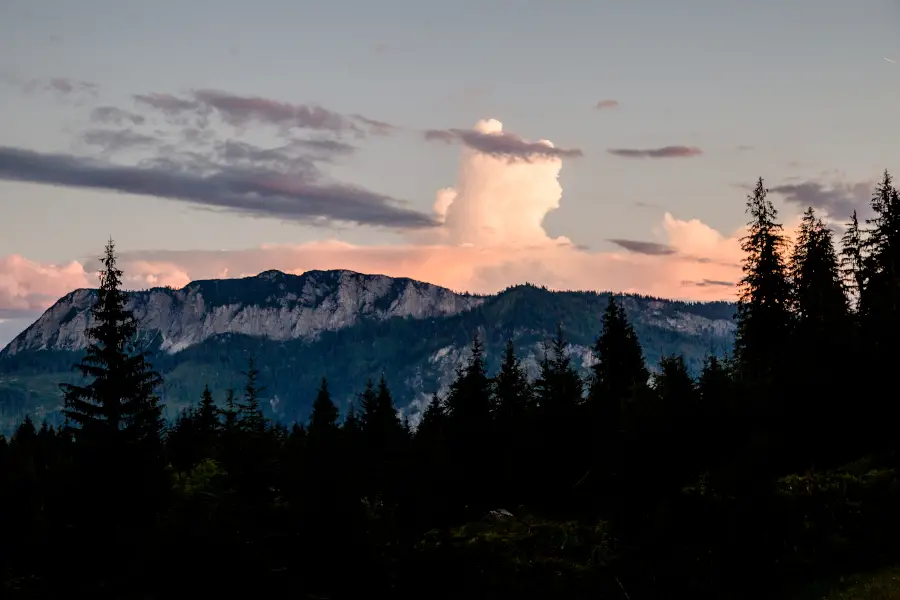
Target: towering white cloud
(500, 201)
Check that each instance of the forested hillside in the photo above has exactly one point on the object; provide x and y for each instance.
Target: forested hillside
(341, 325)
(769, 474)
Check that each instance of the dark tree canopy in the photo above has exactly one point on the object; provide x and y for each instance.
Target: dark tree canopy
(773, 470)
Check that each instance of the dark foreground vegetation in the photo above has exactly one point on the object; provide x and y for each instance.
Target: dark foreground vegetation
(773, 471)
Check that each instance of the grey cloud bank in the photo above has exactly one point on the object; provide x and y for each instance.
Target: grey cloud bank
(664, 152)
(503, 144)
(249, 190)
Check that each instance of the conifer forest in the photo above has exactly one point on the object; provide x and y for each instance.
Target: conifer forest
(773, 474)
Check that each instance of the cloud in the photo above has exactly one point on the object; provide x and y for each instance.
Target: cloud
(650, 205)
(488, 137)
(27, 286)
(649, 248)
(61, 85)
(441, 135)
(375, 126)
(490, 236)
(63, 88)
(664, 152)
(709, 282)
(238, 111)
(603, 104)
(485, 266)
(166, 103)
(299, 156)
(837, 200)
(251, 190)
(110, 115)
(114, 140)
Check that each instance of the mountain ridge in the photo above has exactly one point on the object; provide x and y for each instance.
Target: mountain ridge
(355, 297)
(342, 325)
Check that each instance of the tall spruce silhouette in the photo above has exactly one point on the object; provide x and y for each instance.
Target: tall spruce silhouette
(879, 305)
(514, 420)
(559, 392)
(469, 425)
(617, 390)
(207, 420)
(822, 337)
(818, 294)
(764, 320)
(250, 414)
(880, 298)
(853, 260)
(620, 372)
(118, 405)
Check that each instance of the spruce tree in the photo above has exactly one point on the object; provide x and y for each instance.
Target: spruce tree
(469, 424)
(620, 368)
(206, 424)
(322, 432)
(819, 301)
(433, 422)
(714, 387)
(353, 452)
(676, 390)
(879, 308)
(331, 509)
(618, 389)
(25, 434)
(853, 260)
(368, 401)
(880, 299)
(231, 431)
(118, 405)
(764, 320)
(559, 392)
(822, 336)
(207, 415)
(619, 374)
(407, 427)
(469, 402)
(250, 415)
(512, 396)
(230, 412)
(382, 434)
(381, 425)
(513, 409)
(671, 428)
(181, 441)
(432, 464)
(351, 425)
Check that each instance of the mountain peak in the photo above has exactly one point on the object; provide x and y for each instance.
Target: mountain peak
(271, 274)
(272, 304)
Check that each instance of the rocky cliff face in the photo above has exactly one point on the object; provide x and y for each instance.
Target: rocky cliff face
(346, 327)
(272, 305)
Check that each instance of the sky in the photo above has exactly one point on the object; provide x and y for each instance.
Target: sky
(600, 145)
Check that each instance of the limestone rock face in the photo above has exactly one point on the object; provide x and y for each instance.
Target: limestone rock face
(273, 305)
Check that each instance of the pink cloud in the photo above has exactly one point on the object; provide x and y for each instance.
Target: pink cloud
(26, 285)
(490, 236)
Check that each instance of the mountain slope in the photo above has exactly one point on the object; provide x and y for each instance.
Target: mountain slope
(339, 324)
(272, 305)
